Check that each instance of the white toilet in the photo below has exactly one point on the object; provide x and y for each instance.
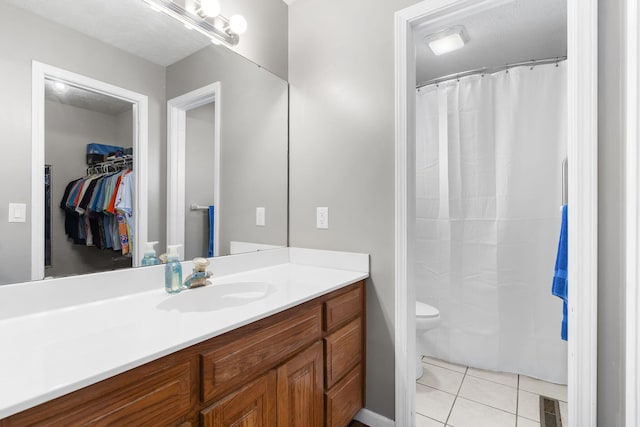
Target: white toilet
(427, 317)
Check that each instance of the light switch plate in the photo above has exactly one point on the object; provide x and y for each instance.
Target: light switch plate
(260, 217)
(322, 218)
(17, 212)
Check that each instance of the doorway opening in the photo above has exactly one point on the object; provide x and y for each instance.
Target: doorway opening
(582, 195)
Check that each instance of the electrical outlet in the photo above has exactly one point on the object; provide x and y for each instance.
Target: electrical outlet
(322, 218)
(260, 217)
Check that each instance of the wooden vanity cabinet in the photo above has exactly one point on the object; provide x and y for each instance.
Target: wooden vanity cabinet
(301, 367)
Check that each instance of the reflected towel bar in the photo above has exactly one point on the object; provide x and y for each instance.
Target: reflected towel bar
(196, 207)
(565, 181)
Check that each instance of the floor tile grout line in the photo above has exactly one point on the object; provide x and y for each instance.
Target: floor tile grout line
(488, 406)
(466, 372)
(482, 403)
(491, 381)
(442, 367)
(517, 398)
(446, 423)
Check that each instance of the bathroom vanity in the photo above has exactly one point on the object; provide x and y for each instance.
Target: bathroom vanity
(285, 346)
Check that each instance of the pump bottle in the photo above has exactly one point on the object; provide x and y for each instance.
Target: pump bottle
(173, 270)
(150, 257)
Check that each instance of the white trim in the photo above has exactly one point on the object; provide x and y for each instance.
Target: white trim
(40, 72)
(583, 244)
(37, 169)
(176, 161)
(632, 154)
(582, 51)
(373, 419)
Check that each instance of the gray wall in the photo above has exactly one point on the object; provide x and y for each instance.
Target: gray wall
(265, 41)
(124, 128)
(253, 142)
(67, 131)
(342, 157)
(341, 72)
(24, 37)
(199, 178)
(611, 240)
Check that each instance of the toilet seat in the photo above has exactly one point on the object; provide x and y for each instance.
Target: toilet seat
(425, 311)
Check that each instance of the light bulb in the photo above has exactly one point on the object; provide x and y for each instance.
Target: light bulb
(237, 24)
(211, 8)
(190, 6)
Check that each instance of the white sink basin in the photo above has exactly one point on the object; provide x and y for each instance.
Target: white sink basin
(217, 297)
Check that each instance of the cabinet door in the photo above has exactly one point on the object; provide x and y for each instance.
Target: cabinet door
(252, 406)
(300, 393)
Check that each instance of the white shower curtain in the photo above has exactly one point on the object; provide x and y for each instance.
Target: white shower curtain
(489, 152)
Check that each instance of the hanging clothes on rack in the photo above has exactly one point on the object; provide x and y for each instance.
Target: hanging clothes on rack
(99, 208)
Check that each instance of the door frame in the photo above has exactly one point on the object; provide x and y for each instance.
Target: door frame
(176, 161)
(632, 214)
(40, 72)
(582, 42)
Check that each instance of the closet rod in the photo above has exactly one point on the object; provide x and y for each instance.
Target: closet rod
(126, 160)
(486, 70)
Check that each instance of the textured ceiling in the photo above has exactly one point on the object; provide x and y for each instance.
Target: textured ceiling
(129, 25)
(514, 32)
(86, 99)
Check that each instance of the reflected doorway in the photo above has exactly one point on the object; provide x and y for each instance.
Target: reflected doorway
(193, 142)
(86, 130)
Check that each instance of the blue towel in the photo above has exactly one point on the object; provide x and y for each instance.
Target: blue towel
(211, 230)
(559, 287)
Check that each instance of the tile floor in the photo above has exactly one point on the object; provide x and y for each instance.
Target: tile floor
(456, 396)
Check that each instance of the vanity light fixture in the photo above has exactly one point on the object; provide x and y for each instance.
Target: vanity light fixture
(447, 40)
(204, 16)
(210, 8)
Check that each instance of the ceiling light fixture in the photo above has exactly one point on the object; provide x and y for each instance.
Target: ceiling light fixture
(447, 40)
(204, 16)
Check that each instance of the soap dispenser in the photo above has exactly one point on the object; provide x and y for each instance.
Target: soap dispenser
(150, 257)
(173, 270)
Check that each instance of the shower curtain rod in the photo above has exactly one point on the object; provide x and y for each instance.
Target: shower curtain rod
(485, 70)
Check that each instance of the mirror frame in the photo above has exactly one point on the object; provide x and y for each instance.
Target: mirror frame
(41, 72)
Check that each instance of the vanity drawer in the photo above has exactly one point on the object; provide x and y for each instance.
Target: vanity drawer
(249, 354)
(343, 350)
(142, 397)
(344, 400)
(342, 308)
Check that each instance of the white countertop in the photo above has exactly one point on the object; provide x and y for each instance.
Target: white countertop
(46, 354)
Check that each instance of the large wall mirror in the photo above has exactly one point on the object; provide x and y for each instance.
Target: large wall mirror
(120, 126)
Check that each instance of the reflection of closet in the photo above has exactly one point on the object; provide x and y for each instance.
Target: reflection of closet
(72, 120)
(99, 207)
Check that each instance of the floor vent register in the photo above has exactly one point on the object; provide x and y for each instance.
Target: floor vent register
(549, 412)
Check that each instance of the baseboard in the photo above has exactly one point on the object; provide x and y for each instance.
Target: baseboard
(372, 419)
